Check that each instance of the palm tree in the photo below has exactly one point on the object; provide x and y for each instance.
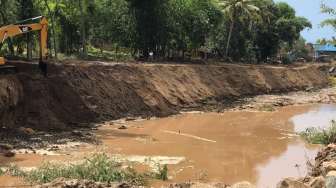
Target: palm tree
(235, 9)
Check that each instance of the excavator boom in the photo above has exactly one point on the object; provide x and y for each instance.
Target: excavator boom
(22, 28)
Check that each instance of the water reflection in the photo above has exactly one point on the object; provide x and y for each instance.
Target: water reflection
(291, 163)
(319, 116)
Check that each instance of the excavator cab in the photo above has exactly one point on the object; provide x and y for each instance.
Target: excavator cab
(21, 28)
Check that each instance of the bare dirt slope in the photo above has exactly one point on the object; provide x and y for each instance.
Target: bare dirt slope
(77, 93)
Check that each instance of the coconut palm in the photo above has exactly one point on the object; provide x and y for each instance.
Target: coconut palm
(235, 9)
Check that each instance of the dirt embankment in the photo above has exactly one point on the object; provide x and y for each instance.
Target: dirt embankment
(78, 93)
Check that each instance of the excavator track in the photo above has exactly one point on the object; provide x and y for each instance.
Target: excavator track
(8, 69)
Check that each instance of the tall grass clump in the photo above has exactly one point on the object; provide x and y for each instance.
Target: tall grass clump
(98, 168)
(320, 136)
(332, 81)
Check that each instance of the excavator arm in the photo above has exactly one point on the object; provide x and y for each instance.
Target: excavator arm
(21, 28)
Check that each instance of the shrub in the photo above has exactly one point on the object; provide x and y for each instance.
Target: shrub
(320, 136)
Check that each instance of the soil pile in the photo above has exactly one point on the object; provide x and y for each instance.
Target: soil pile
(77, 93)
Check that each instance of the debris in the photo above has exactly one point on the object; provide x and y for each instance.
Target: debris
(123, 127)
(27, 131)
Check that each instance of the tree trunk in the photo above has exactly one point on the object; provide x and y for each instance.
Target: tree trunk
(54, 38)
(229, 39)
(84, 47)
(29, 47)
(52, 16)
(11, 47)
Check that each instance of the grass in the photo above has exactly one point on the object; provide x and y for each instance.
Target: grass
(332, 81)
(266, 108)
(320, 136)
(98, 168)
(95, 53)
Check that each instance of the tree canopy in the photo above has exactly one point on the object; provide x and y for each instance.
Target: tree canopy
(242, 30)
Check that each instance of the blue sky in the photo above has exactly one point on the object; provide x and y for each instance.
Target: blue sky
(311, 10)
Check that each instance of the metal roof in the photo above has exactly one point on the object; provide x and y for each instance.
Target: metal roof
(325, 48)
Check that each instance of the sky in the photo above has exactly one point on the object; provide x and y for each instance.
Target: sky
(310, 9)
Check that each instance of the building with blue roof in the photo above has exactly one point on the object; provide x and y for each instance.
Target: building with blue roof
(327, 49)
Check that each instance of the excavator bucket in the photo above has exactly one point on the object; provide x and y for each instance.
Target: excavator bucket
(6, 69)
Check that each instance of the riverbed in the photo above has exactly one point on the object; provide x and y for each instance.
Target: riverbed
(229, 147)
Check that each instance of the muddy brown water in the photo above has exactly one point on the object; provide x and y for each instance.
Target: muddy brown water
(229, 147)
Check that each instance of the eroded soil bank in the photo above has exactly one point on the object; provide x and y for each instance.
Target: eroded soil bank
(77, 93)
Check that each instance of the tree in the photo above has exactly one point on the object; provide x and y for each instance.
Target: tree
(52, 9)
(81, 5)
(330, 11)
(26, 11)
(150, 25)
(235, 9)
(8, 15)
(244, 30)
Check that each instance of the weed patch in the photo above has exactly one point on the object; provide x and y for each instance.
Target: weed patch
(98, 168)
(320, 136)
(266, 108)
(332, 81)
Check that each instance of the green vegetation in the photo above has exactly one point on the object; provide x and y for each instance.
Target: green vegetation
(332, 81)
(98, 168)
(267, 108)
(162, 173)
(330, 11)
(2, 172)
(241, 30)
(320, 136)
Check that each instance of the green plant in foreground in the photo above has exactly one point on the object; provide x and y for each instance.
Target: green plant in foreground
(267, 108)
(162, 173)
(98, 168)
(320, 136)
(332, 81)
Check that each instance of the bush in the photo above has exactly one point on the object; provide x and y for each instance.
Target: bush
(320, 136)
(98, 168)
(286, 60)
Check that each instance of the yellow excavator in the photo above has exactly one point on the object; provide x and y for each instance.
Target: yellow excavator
(23, 27)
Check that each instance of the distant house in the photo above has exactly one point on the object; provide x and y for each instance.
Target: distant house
(324, 50)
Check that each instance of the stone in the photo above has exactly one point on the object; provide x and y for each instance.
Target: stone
(6, 147)
(9, 154)
(318, 182)
(291, 183)
(328, 166)
(27, 131)
(243, 185)
(123, 127)
(331, 179)
(77, 133)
